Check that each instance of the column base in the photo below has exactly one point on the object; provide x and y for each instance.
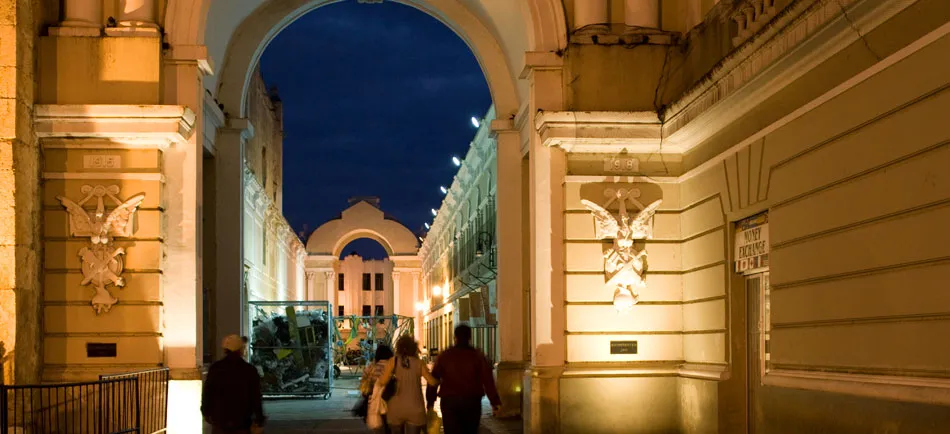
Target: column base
(592, 29)
(509, 379)
(541, 411)
(78, 30)
(134, 28)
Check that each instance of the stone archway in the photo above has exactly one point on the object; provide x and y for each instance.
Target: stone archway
(507, 38)
(512, 42)
(228, 39)
(364, 219)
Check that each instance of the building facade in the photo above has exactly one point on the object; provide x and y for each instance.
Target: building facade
(791, 278)
(355, 286)
(363, 287)
(459, 253)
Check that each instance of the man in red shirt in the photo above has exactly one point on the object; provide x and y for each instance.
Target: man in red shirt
(465, 376)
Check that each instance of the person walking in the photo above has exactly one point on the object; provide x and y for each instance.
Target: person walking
(405, 410)
(371, 375)
(231, 395)
(464, 375)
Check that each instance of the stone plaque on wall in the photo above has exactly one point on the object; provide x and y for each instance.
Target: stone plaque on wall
(621, 164)
(101, 162)
(623, 347)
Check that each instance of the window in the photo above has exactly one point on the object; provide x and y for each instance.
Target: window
(339, 310)
(339, 281)
(366, 282)
(366, 310)
(379, 311)
(379, 281)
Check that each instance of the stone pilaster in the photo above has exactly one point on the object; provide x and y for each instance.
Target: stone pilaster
(20, 238)
(231, 296)
(510, 280)
(183, 71)
(546, 208)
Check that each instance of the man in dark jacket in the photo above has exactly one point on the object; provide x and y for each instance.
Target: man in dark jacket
(231, 397)
(465, 376)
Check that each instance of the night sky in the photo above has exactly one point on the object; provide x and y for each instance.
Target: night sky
(377, 99)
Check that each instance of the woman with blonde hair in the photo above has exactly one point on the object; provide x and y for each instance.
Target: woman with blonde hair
(405, 410)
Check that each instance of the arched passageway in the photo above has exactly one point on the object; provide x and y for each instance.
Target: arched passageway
(498, 33)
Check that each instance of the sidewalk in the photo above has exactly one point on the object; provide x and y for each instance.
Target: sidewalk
(316, 416)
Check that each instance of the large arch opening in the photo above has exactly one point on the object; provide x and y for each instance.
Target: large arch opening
(247, 77)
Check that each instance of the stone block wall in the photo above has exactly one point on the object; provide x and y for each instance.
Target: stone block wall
(20, 245)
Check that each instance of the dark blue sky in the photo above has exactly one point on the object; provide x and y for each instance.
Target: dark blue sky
(377, 98)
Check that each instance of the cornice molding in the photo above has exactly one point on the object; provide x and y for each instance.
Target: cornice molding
(155, 126)
(781, 52)
(601, 132)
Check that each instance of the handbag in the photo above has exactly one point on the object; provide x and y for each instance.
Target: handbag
(390, 389)
(376, 409)
(361, 408)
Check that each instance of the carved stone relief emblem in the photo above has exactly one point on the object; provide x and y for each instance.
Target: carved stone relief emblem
(102, 262)
(625, 266)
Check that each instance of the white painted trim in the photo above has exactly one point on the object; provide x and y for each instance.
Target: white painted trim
(911, 389)
(875, 69)
(92, 144)
(584, 179)
(602, 132)
(158, 125)
(105, 175)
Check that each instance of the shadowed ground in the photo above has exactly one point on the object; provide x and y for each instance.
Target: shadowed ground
(293, 416)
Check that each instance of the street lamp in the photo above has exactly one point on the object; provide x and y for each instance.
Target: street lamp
(475, 122)
(483, 243)
(456, 161)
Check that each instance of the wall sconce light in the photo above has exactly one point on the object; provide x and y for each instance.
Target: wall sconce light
(437, 291)
(420, 306)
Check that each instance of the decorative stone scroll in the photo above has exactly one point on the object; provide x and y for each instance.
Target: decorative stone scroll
(624, 266)
(102, 262)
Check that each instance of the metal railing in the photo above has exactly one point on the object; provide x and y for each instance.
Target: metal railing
(152, 391)
(484, 337)
(135, 402)
(105, 406)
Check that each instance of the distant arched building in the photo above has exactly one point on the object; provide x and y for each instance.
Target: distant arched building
(387, 286)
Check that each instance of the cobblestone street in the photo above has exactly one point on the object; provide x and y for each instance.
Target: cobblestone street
(298, 416)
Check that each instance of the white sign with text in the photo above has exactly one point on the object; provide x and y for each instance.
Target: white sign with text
(752, 247)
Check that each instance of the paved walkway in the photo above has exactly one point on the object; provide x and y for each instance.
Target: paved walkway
(298, 416)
